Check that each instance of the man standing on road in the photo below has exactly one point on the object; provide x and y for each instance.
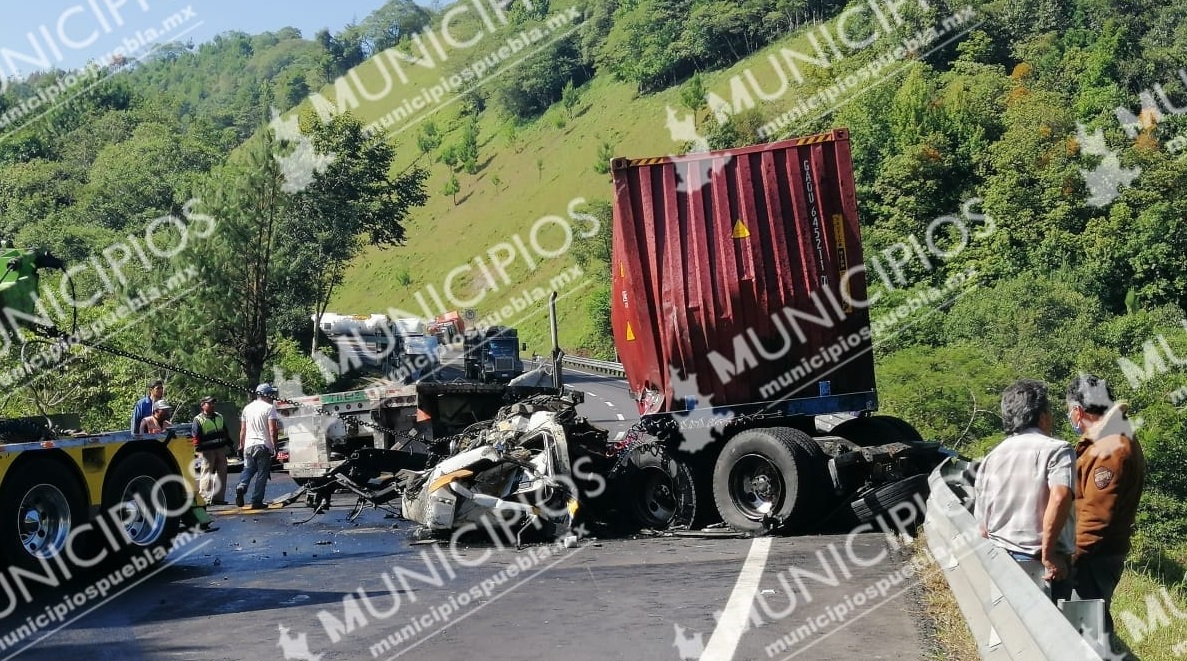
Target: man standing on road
(1024, 490)
(143, 408)
(258, 435)
(1110, 475)
(211, 441)
(156, 423)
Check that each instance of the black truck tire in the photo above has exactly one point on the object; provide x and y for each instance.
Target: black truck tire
(41, 503)
(153, 519)
(877, 430)
(878, 502)
(767, 475)
(655, 490)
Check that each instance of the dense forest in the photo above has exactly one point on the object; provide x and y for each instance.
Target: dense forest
(1061, 122)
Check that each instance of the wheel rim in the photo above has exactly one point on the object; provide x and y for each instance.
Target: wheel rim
(756, 486)
(44, 521)
(143, 527)
(656, 502)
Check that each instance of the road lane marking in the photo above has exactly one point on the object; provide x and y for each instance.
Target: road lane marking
(620, 436)
(610, 404)
(620, 416)
(736, 615)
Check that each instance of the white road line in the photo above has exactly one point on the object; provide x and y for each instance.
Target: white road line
(610, 404)
(734, 618)
(620, 416)
(591, 394)
(619, 436)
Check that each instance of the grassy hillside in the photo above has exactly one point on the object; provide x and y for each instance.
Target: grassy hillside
(443, 236)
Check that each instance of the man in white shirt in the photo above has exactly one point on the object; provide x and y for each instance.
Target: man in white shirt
(259, 429)
(1025, 490)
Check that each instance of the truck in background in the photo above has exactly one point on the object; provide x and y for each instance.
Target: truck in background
(420, 354)
(492, 354)
(365, 340)
(402, 349)
(740, 315)
(448, 327)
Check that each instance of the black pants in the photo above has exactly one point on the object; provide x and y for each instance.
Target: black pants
(1097, 577)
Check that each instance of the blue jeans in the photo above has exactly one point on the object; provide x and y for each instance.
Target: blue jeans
(1056, 590)
(258, 464)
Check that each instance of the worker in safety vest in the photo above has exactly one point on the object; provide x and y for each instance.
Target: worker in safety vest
(211, 441)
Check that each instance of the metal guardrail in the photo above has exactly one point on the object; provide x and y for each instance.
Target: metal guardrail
(600, 366)
(1008, 614)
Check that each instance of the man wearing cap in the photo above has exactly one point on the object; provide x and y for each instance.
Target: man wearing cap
(259, 430)
(1110, 476)
(143, 408)
(155, 423)
(211, 441)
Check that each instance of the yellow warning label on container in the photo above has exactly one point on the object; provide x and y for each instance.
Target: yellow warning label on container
(842, 258)
(621, 270)
(740, 231)
(630, 332)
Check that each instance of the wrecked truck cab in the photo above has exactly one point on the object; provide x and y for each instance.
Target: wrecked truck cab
(511, 477)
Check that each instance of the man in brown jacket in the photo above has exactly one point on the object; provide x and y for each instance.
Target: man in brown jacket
(1110, 474)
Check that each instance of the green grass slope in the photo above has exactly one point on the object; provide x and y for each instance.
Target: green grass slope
(537, 173)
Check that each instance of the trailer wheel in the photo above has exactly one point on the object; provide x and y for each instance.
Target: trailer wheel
(877, 430)
(142, 498)
(656, 490)
(878, 502)
(763, 476)
(41, 504)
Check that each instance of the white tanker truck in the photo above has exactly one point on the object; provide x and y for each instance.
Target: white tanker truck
(400, 349)
(362, 340)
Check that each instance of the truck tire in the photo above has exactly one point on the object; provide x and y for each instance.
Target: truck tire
(40, 505)
(150, 514)
(655, 490)
(881, 500)
(877, 430)
(766, 475)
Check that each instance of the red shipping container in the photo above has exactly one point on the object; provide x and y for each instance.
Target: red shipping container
(738, 279)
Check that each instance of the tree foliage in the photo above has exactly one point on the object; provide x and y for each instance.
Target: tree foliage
(247, 266)
(352, 204)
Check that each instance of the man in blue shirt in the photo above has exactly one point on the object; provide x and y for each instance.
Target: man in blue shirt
(144, 408)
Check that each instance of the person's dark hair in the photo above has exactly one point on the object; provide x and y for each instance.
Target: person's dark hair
(1091, 393)
(1023, 403)
(154, 383)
